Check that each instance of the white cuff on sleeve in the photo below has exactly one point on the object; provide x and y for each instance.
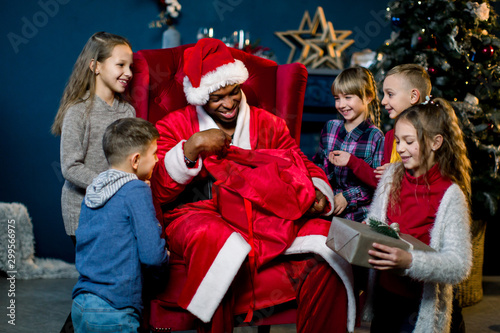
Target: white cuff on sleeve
(177, 168)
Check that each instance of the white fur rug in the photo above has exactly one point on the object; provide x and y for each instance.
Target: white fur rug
(17, 250)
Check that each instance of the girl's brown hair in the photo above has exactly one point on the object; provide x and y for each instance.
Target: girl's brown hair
(97, 49)
(359, 81)
(430, 119)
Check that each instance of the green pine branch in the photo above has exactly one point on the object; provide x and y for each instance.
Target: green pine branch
(382, 228)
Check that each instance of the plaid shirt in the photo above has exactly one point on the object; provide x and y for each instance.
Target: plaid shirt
(366, 142)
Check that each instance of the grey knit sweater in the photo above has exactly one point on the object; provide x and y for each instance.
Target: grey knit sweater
(440, 270)
(82, 156)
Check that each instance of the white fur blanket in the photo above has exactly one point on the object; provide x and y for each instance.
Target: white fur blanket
(17, 250)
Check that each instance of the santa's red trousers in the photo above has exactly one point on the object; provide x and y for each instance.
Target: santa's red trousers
(319, 294)
(199, 233)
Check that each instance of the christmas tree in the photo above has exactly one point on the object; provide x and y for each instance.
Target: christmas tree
(455, 41)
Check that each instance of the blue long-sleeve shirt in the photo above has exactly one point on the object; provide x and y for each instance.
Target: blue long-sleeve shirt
(115, 240)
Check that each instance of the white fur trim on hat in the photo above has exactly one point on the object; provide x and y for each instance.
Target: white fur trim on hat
(230, 73)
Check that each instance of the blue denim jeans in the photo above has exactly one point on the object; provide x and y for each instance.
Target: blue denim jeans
(91, 313)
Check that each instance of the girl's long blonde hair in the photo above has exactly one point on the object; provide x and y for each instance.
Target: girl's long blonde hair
(97, 49)
(359, 81)
(437, 117)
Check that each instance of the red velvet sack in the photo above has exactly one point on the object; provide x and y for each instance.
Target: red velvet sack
(277, 189)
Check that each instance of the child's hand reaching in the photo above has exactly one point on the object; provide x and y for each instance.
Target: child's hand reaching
(380, 170)
(387, 257)
(339, 158)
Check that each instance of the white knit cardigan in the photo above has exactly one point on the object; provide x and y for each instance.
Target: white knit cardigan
(440, 270)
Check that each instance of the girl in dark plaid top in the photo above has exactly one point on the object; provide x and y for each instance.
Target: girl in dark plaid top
(356, 100)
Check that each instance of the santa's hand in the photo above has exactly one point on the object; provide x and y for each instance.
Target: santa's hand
(209, 142)
(319, 205)
(387, 257)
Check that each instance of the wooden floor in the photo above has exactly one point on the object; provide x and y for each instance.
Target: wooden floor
(41, 306)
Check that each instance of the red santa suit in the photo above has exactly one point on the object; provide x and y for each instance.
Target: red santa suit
(215, 251)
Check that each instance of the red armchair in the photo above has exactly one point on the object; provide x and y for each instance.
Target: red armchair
(156, 90)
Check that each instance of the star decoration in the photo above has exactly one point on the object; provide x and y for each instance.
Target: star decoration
(321, 45)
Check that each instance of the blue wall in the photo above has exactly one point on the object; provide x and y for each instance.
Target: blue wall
(42, 39)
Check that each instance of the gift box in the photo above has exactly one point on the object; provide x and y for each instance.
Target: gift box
(352, 240)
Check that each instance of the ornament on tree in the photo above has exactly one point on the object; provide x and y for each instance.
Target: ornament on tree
(471, 99)
(472, 55)
(446, 65)
(396, 21)
(481, 12)
(416, 40)
(453, 41)
(487, 52)
(394, 37)
(432, 71)
(421, 59)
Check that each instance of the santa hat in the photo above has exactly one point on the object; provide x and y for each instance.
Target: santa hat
(210, 66)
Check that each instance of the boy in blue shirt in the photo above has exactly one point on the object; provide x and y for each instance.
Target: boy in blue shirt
(118, 232)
